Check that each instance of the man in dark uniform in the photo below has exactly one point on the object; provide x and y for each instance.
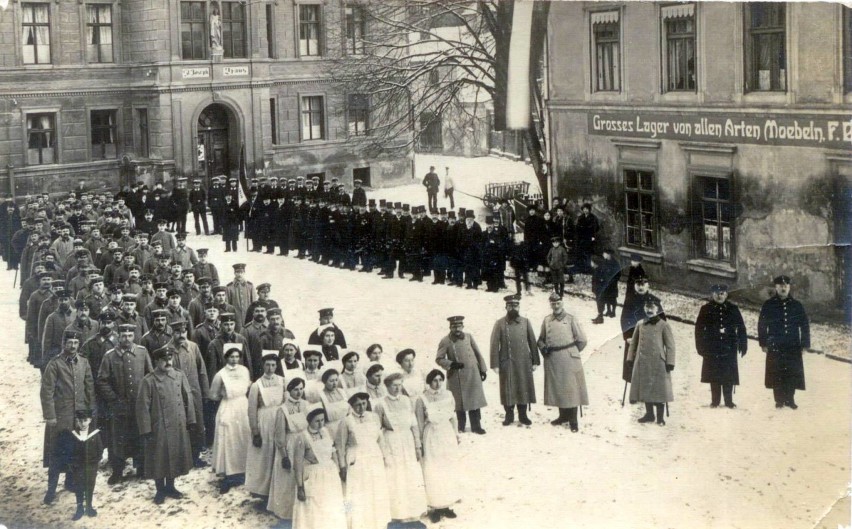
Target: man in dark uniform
(470, 246)
(720, 334)
(262, 300)
(783, 332)
(634, 313)
(437, 247)
(359, 196)
(493, 255)
(431, 182)
(215, 200)
(198, 203)
(587, 228)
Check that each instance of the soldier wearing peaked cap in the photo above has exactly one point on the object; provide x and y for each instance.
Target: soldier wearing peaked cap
(783, 331)
(514, 355)
(262, 300)
(466, 370)
(720, 334)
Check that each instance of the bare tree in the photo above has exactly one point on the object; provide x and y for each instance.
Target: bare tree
(414, 61)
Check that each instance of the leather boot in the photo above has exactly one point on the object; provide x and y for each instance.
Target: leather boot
(510, 415)
(522, 415)
(562, 419)
(661, 418)
(572, 419)
(475, 424)
(649, 413)
(461, 417)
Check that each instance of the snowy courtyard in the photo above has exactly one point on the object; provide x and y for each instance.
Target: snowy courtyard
(750, 467)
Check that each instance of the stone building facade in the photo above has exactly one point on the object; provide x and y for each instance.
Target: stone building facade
(712, 138)
(109, 91)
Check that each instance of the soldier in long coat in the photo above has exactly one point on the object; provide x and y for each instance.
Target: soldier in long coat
(240, 292)
(164, 413)
(783, 331)
(561, 341)
(514, 354)
(67, 386)
(34, 304)
(652, 358)
(54, 327)
(720, 334)
(466, 370)
(632, 314)
(188, 359)
(119, 377)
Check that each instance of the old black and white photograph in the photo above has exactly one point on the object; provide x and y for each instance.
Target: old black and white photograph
(414, 264)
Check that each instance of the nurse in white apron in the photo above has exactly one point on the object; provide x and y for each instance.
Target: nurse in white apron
(333, 399)
(436, 417)
(290, 421)
(233, 434)
(265, 396)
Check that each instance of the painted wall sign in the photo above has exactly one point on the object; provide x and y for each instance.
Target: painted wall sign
(824, 131)
(235, 71)
(195, 73)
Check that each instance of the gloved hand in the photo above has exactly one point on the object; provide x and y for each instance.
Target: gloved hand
(669, 368)
(285, 463)
(257, 441)
(343, 474)
(457, 365)
(483, 375)
(742, 354)
(300, 493)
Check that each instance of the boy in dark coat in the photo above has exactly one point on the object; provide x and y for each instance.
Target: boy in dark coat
(80, 450)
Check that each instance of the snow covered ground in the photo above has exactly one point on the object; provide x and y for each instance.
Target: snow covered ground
(752, 467)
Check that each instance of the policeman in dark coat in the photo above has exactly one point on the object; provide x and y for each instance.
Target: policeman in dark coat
(587, 228)
(470, 246)
(198, 203)
(216, 201)
(359, 196)
(719, 335)
(783, 331)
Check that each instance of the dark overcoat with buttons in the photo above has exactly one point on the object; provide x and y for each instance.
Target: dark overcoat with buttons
(783, 329)
(118, 381)
(164, 409)
(720, 334)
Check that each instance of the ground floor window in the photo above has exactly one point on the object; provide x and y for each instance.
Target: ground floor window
(640, 208)
(715, 233)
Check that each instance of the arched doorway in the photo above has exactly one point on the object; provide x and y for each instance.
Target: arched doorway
(214, 156)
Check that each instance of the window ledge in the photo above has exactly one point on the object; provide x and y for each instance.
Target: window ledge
(677, 96)
(650, 256)
(774, 97)
(711, 267)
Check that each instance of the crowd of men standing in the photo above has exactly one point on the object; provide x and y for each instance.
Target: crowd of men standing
(130, 326)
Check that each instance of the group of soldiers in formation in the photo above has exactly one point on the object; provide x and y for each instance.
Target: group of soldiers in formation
(143, 352)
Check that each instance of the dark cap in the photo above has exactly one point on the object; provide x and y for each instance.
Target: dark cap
(326, 312)
(636, 257)
(159, 313)
(782, 280)
(275, 311)
(71, 334)
(162, 352)
(218, 289)
(227, 317)
(264, 286)
(239, 267)
(513, 298)
(178, 326)
(201, 281)
(718, 288)
(455, 319)
(202, 251)
(127, 327)
(129, 297)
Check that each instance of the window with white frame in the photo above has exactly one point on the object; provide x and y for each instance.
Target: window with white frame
(313, 118)
(99, 33)
(606, 51)
(765, 46)
(309, 30)
(35, 33)
(103, 130)
(41, 138)
(679, 67)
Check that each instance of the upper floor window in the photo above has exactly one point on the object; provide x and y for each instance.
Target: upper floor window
(99, 33)
(355, 30)
(193, 30)
(313, 118)
(641, 208)
(309, 30)
(766, 53)
(606, 52)
(41, 139)
(103, 125)
(359, 114)
(35, 33)
(679, 47)
(233, 30)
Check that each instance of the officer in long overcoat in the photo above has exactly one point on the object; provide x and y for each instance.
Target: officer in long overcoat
(652, 359)
(561, 341)
(720, 334)
(67, 386)
(783, 331)
(119, 377)
(514, 354)
(164, 413)
(466, 370)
